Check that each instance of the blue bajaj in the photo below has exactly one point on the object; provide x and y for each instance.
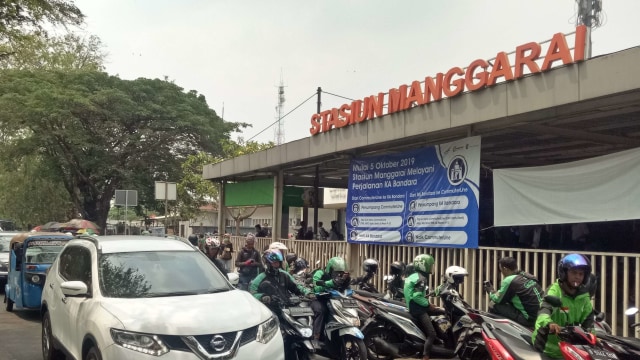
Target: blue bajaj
(341, 337)
(31, 255)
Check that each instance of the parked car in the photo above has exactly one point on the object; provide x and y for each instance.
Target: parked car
(141, 297)
(30, 256)
(5, 239)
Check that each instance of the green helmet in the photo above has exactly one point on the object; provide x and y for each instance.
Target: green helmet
(336, 264)
(424, 263)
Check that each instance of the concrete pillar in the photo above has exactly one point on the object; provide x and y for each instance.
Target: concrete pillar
(221, 209)
(278, 193)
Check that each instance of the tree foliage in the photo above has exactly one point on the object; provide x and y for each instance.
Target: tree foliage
(19, 16)
(101, 133)
(67, 52)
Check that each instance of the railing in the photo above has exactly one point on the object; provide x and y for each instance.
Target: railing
(619, 273)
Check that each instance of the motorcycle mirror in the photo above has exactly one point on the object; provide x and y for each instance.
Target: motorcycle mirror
(553, 300)
(631, 311)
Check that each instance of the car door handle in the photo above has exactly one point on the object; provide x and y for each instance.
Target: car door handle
(64, 300)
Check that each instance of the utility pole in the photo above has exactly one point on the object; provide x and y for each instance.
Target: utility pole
(279, 130)
(589, 15)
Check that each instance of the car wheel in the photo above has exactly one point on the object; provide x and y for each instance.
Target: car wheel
(93, 354)
(49, 351)
(8, 303)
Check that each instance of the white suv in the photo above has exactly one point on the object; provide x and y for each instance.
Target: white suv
(143, 297)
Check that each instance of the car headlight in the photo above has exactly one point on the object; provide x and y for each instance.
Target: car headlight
(144, 343)
(267, 330)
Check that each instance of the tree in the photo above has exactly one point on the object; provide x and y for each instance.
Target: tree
(240, 213)
(18, 16)
(68, 52)
(101, 133)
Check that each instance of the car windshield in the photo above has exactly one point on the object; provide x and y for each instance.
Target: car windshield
(43, 253)
(4, 242)
(158, 273)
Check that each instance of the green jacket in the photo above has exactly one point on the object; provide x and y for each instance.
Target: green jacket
(328, 283)
(415, 290)
(521, 290)
(284, 281)
(578, 308)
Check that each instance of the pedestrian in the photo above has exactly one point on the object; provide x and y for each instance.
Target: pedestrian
(227, 252)
(334, 233)
(260, 232)
(324, 234)
(302, 231)
(249, 262)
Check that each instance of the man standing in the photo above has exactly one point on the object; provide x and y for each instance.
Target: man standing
(519, 296)
(260, 232)
(248, 261)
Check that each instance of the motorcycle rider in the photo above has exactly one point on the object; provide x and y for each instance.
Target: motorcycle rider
(519, 296)
(334, 276)
(370, 267)
(282, 248)
(417, 302)
(281, 280)
(573, 274)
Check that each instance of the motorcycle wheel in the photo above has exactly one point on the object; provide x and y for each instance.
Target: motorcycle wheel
(300, 354)
(384, 334)
(474, 348)
(353, 348)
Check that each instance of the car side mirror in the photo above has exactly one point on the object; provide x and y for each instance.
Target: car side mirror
(74, 289)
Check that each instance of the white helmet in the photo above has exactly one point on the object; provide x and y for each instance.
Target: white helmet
(455, 274)
(277, 246)
(213, 241)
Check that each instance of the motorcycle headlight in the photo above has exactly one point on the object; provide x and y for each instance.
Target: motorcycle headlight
(144, 343)
(305, 332)
(35, 279)
(267, 330)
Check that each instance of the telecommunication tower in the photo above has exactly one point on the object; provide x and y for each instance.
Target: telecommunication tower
(279, 129)
(589, 14)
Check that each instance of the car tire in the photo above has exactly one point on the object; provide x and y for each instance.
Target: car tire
(49, 351)
(8, 303)
(93, 354)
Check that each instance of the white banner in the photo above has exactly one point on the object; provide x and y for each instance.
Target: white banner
(604, 188)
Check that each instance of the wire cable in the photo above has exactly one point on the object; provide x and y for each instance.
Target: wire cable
(283, 116)
(340, 96)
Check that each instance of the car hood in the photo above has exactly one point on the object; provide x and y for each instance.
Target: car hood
(189, 315)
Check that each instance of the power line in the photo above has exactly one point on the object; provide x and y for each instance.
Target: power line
(340, 96)
(284, 116)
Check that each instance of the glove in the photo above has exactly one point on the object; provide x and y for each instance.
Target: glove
(266, 299)
(320, 283)
(488, 288)
(338, 281)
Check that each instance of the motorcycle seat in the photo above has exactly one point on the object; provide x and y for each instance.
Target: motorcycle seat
(369, 294)
(519, 348)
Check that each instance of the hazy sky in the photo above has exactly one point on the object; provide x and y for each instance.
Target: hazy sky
(234, 51)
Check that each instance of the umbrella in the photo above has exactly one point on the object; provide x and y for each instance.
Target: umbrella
(81, 224)
(51, 225)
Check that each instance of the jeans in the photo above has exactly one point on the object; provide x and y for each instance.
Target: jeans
(319, 311)
(510, 312)
(423, 320)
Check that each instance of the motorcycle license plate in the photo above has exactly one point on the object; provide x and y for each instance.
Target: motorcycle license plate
(349, 303)
(301, 311)
(600, 354)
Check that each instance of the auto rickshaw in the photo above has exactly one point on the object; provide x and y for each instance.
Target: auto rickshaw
(30, 257)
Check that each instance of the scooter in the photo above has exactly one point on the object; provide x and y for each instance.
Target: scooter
(626, 348)
(507, 340)
(341, 338)
(295, 317)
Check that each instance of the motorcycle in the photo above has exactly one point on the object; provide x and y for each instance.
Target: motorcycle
(507, 340)
(296, 318)
(392, 332)
(626, 348)
(341, 338)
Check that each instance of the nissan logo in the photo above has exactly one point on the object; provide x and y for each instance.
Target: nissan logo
(218, 343)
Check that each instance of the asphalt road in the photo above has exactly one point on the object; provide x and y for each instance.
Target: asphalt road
(19, 334)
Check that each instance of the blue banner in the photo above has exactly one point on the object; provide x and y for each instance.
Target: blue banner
(422, 197)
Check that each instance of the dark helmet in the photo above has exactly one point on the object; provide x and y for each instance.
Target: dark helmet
(574, 261)
(193, 239)
(370, 266)
(300, 264)
(410, 269)
(271, 256)
(291, 257)
(398, 268)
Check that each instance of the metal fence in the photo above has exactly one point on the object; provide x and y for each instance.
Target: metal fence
(619, 285)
